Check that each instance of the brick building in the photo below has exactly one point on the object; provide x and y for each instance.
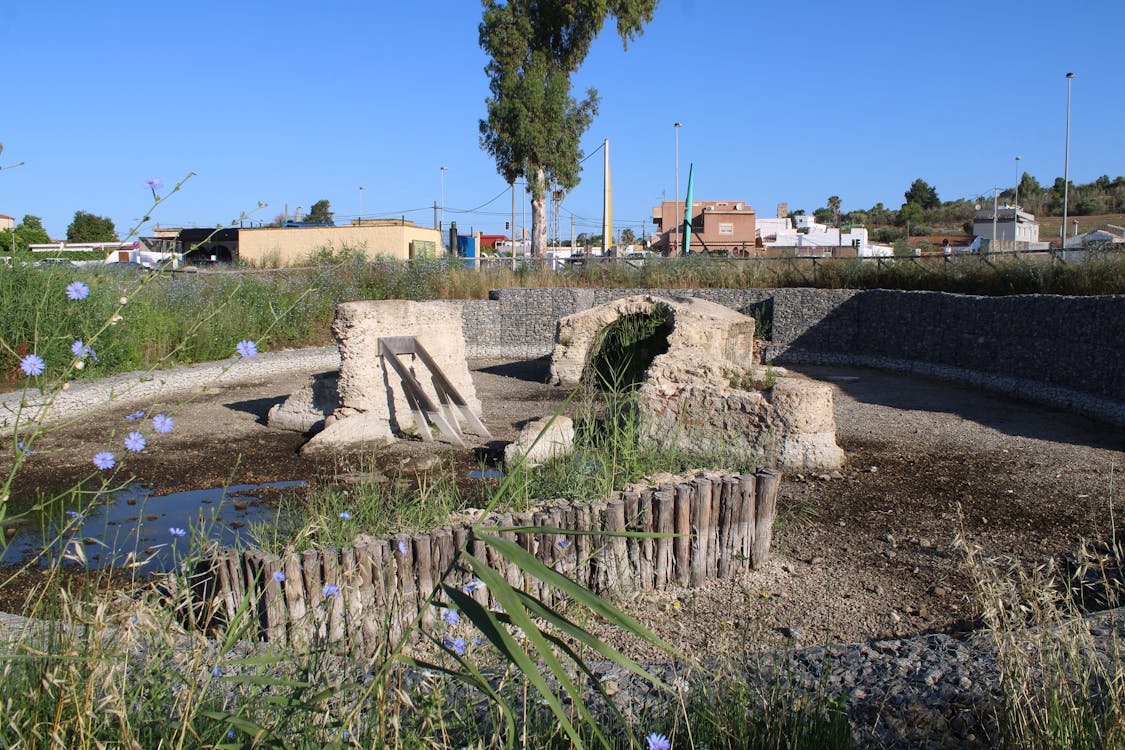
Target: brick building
(727, 226)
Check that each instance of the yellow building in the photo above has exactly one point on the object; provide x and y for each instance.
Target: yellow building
(292, 246)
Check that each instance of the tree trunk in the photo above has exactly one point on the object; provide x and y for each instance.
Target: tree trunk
(539, 214)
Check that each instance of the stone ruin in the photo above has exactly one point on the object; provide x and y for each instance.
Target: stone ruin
(371, 400)
(703, 388)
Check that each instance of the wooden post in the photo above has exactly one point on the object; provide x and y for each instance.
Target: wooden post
(665, 550)
(299, 630)
(582, 546)
(682, 543)
(405, 585)
(747, 487)
(619, 547)
(314, 594)
(715, 490)
(368, 561)
(351, 585)
(728, 498)
(631, 502)
(768, 482)
(274, 599)
(423, 575)
(700, 490)
(646, 547)
(330, 560)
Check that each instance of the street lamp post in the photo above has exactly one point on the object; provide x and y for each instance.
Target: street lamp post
(361, 189)
(441, 224)
(1016, 210)
(1066, 163)
(676, 245)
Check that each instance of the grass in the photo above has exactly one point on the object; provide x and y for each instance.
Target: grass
(184, 318)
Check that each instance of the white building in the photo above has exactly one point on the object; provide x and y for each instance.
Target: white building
(1011, 223)
(810, 234)
(1107, 233)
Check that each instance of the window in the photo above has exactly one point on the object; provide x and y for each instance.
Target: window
(726, 228)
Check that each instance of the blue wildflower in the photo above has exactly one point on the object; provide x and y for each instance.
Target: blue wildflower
(104, 460)
(658, 742)
(331, 591)
(217, 672)
(279, 576)
(346, 516)
(246, 348)
(230, 734)
(562, 543)
(33, 364)
(456, 645)
(176, 531)
(76, 290)
(74, 514)
(26, 451)
(134, 416)
(401, 547)
(451, 617)
(154, 184)
(135, 442)
(163, 423)
(473, 585)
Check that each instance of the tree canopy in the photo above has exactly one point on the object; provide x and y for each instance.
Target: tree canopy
(922, 193)
(29, 231)
(88, 227)
(319, 213)
(534, 126)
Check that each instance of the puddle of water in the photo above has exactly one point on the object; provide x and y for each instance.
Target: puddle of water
(134, 521)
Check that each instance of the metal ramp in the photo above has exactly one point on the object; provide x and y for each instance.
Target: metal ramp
(421, 405)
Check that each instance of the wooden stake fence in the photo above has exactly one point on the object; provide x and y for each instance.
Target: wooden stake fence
(356, 598)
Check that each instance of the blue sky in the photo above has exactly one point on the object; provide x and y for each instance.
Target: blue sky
(288, 103)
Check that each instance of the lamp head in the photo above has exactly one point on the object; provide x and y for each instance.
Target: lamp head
(1070, 75)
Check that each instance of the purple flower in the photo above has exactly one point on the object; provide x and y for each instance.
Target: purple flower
(279, 576)
(26, 451)
(80, 349)
(162, 423)
(456, 645)
(246, 349)
(77, 290)
(74, 514)
(473, 585)
(134, 416)
(32, 364)
(451, 617)
(658, 742)
(217, 672)
(478, 641)
(331, 591)
(230, 734)
(177, 531)
(135, 442)
(104, 460)
(562, 543)
(346, 516)
(154, 184)
(401, 547)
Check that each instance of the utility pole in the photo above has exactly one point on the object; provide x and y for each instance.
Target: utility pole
(995, 194)
(513, 239)
(1066, 163)
(571, 234)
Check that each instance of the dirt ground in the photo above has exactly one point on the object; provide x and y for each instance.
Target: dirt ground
(864, 556)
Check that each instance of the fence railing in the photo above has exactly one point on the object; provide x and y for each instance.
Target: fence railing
(354, 598)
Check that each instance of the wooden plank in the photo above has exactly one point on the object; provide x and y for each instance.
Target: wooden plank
(583, 545)
(646, 547)
(713, 548)
(314, 595)
(683, 527)
(768, 481)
